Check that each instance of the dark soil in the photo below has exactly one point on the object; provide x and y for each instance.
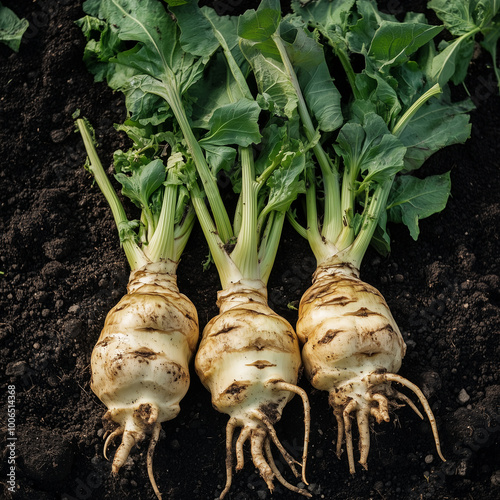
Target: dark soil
(63, 270)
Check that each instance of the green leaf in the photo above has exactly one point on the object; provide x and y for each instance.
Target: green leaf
(381, 90)
(383, 159)
(215, 90)
(462, 16)
(126, 231)
(197, 35)
(371, 149)
(436, 125)
(331, 16)
(452, 63)
(412, 199)
(142, 183)
(285, 183)
(464, 19)
(12, 28)
(394, 42)
(159, 53)
(259, 25)
(143, 105)
(308, 59)
(234, 123)
(219, 157)
(369, 18)
(273, 82)
(381, 241)
(176, 3)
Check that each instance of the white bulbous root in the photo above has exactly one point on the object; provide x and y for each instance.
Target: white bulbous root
(249, 360)
(353, 349)
(140, 362)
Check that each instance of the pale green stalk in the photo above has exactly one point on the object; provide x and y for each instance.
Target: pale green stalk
(332, 222)
(134, 254)
(172, 96)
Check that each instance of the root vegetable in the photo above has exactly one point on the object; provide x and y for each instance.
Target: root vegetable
(249, 360)
(140, 364)
(249, 357)
(353, 349)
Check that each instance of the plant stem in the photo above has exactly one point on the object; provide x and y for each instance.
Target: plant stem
(270, 243)
(354, 254)
(208, 180)
(244, 254)
(134, 254)
(161, 245)
(321, 247)
(182, 232)
(332, 221)
(228, 272)
(408, 115)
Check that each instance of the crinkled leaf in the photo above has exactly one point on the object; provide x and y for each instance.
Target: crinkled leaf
(126, 231)
(142, 183)
(462, 16)
(12, 28)
(272, 80)
(181, 172)
(381, 90)
(328, 15)
(331, 19)
(412, 199)
(234, 123)
(261, 52)
(219, 157)
(285, 183)
(159, 53)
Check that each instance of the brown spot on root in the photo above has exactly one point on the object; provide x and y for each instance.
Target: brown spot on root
(261, 364)
(176, 371)
(270, 410)
(363, 312)
(143, 412)
(340, 301)
(144, 352)
(329, 336)
(236, 388)
(385, 329)
(121, 307)
(223, 330)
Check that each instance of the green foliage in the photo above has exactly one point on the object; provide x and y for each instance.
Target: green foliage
(412, 199)
(12, 28)
(187, 76)
(465, 19)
